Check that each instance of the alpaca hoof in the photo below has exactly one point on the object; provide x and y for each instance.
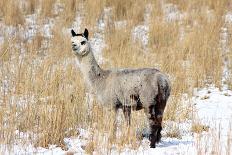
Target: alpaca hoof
(152, 145)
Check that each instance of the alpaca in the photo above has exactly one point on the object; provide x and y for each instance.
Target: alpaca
(128, 89)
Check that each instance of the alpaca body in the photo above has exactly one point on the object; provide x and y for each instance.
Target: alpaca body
(125, 86)
(129, 89)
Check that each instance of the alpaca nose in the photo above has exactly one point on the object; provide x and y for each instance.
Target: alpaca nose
(74, 47)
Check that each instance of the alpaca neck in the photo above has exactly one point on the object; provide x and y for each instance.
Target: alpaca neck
(90, 69)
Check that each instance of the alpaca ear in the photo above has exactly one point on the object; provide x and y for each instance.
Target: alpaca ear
(73, 33)
(86, 34)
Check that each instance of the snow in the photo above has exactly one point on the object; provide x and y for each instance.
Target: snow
(120, 24)
(97, 41)
(224, 45)
(77, 23)
(218, 104)
(228, 18)
(75, 144)
(29, 149)
(140, 32)
(171, 12)
(214, 109)
(97, 44)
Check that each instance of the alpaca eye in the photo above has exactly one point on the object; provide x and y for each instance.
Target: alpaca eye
(83, 42)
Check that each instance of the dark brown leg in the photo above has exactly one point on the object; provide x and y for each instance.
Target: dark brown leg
(159, 116)
(156, 114)
(155, 122)
(159, 109)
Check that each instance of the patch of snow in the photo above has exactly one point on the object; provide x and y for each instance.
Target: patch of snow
(98, 44)
(224, 41)
(97, 41)
(215, 110)
(31, 27)
(168, 146)
(141, 32)
(120, 24)
(4, 89)
(29, 149)
(75, 144)
(58, 8)
(47, 28)
(171, 12)
(228, 18)
(77, 23)
(214, 106)
(224, 38)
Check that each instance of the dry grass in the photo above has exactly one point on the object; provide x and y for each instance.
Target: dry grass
(70, 8)
(210, 142)
(47, 8)
(132, 11)
(120, 45)
(197, 127)
(93, 14)
(31, 6)
(228, 59)
(40, 97)
(11, 12)
(44, 94)
(173, 131)
(103, 136)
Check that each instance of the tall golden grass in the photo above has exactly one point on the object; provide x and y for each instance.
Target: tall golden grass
(11, 12)
(43, 91)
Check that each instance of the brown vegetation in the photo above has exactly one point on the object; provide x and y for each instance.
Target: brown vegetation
(43, 93)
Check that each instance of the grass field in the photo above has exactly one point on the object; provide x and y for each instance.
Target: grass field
(41, 88)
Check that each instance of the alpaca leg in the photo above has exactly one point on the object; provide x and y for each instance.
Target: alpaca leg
(127, 114)
(158, 117)
(155, 126)
(159, 109)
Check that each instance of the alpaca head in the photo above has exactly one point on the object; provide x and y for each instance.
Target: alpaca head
(80, 44)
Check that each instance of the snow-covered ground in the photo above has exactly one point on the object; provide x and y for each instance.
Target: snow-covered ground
(214, 109)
